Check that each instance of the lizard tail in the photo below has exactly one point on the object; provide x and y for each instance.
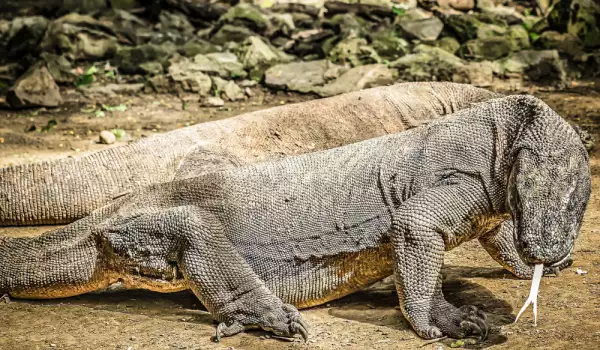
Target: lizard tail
(60, 263)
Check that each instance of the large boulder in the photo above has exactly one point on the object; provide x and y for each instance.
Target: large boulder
(24, 35)
(59, 68)
(301, 76)
(80, 37)
(188, 78)
(388, 45)
(129, 28)
(577, 17)
(230, 33)
(248, 16)
(540, 66)
(224, 64)
(428, 63)
(381, 8)
(257, 56)
(34, 88)
(491, 48)
(420, 25)
(358, 78)
(464, 27)
(566, 43)
(354, 51)
(128, 59)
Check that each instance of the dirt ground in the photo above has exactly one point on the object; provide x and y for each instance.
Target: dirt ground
(569, 305)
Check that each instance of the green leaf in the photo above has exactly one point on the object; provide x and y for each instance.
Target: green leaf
(87, 110)
(398, 11)
(457, 344)
(83, 80)
(119, 108)
(50, 125)
(91, 71)
(119, 133)
(111, 74)
(100, 114)
(534, 36)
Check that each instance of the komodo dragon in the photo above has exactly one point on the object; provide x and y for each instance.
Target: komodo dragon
(252, 241)
(61, 191)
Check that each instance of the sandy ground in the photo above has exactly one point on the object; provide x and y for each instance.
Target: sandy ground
(569, 305)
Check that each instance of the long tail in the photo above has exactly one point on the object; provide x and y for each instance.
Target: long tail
(60, 263)
(64, 190)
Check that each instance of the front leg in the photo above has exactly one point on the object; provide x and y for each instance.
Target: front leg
(422, 228)
(500, 245)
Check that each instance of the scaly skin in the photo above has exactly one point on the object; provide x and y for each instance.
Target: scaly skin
(252, 241)
(62, 191)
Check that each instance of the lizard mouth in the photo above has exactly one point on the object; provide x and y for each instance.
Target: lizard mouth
(564, 261)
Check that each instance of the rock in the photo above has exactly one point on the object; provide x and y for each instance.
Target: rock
(281, 25)
(347, 25)
(8, 75)
(257, 56)
(388, 45)
(491, 48)
(380, 8)
(428, 63)
(24, 35)
(36, 87)
(129, 28)
(158, 83)
(448, 44)
(539, 66)
(300, 76)
(197, 47)
(358, 78)
(59, 67)
(565, 43)
(462, 5)
(311, 10)
(175, 21)
(580, 18)
(508, 14)
(228, 88)
(224, 64)
(80, 37)
(124, 4)
(310, 42)
(128, 59)
(106, 137)
(229, 33)
(212, 101)
(248, 16)
(355, 51)
(465, 27)
(487, 30)
(476, 73)
(518, 37)
(187, 75)
(152, 68)
(426, 29)
(111, 90)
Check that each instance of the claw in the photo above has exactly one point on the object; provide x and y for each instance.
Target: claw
(470, 327)
(5, 298)
(483, 327)
(303, 332)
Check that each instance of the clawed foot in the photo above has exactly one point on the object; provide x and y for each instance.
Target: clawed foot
(284, 321)
(4, 298)
(457, 323)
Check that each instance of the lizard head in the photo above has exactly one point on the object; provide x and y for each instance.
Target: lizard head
(547, 194)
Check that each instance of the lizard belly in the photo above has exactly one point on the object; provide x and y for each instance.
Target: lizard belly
(317, 281)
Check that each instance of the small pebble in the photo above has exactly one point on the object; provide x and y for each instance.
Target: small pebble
(213, 101)
(107, 137)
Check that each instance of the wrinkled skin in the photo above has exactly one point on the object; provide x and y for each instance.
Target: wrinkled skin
(255, 243)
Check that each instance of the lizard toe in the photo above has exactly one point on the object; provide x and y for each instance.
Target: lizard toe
(5, 298)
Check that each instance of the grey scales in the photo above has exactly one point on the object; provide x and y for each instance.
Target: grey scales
(257, 242)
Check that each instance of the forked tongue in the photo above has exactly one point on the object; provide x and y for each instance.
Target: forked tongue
(533, 292)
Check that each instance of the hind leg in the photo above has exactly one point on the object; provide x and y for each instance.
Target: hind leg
(213, 269)
(227, 286)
